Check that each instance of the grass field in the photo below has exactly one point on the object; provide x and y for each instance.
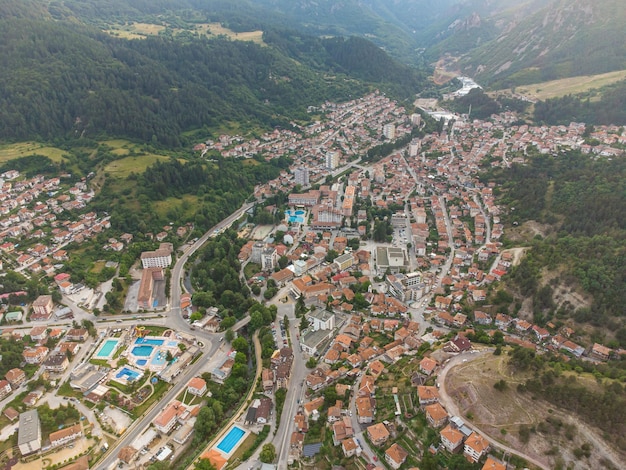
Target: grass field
(569, 86)
(143, 30)
(216, 29)
(187, 205)
(125, 166)
(24, 149)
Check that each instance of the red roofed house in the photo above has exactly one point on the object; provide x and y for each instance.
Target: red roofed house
(396, 456)
(197, 386)
(475, 447)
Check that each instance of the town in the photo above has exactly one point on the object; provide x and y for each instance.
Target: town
(377, 272)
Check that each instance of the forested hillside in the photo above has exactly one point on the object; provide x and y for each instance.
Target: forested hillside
(61, 80)
(582, 200)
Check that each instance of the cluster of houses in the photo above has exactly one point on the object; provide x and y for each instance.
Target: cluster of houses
(318, 148)
(357, 355)
(29, 210)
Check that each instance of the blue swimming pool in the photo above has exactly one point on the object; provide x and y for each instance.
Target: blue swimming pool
(128, 374)
(142, 351)
(151, 341)
(228, 443)
(158, 359)
(295, 216)
(107, 348)
(142, 362)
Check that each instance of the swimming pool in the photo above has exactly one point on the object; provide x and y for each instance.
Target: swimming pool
(142, 351)
(128, 374)
(230, 441)
(158, 359)
(295, 216)
(107, 349)
(151, 341)
(142, 362)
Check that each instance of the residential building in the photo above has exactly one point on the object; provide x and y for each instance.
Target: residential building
(493, 464)
(364, 410)
(160, 258)
(475, 447)
(56, 363)
(389, 131)
(344, 262)
(301, 176)
(322, 320)
(197, 386)
(43, 305)
(29, 432)
(378, 434)
(15, 377)
(5, 388)
(396, 456)
(63, 436)
(166, 420)
(269, 258)
(436, 415)
(452, 438)
(350, 447)
(332, 160)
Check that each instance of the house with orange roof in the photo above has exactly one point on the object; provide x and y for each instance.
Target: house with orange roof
(166, 420)
(452, 438)
(365, 410)
(378, 434)
(216, 458)
(493, 464)
(427, 395)
(376, 368)
(312, 406)
(396, 456)
(436, 415)
(475, 447)
(350, 447)
(427, 366)
(197, 386)
(63, 436)
(367, 386)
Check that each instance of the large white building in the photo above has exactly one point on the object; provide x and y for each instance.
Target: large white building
(29, 433)
(160, 258)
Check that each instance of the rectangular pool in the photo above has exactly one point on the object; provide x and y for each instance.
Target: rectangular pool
(228, 443)
(150, 341)
(107, 348)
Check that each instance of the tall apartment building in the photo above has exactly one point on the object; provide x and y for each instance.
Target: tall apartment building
(389, 131)
(301, 176)
(332, 160)
(414, 148)
(416, 119)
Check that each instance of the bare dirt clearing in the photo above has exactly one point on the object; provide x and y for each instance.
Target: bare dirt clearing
(553, 435)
